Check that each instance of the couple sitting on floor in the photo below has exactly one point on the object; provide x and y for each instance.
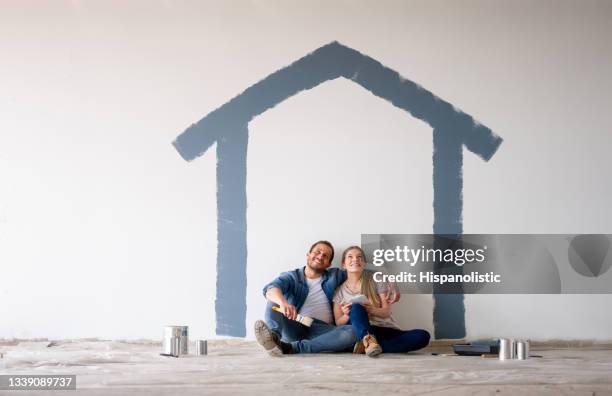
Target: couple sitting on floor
(328, 296)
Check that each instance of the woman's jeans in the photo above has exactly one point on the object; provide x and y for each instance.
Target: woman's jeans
(391, 340)
(319, 337)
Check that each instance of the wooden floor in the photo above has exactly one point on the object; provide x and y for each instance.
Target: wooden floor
(235, 367)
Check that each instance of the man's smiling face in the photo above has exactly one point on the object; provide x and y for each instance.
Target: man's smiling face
(319, 258)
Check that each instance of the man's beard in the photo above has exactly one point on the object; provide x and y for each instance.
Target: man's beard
(316, 270)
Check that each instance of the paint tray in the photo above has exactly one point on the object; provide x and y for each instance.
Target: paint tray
(477, 348)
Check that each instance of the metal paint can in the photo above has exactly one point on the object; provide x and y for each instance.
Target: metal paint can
(201, 347)
(176, 346)
(172, 331)
(513, 348)
(171, 335)
(505, 351)
(171, 346)
(521, 350)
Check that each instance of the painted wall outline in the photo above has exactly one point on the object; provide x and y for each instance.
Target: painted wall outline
(228, 127)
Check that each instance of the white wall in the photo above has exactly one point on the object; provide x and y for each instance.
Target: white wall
(106, 232)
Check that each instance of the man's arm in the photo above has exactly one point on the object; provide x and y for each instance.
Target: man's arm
(393, 294)
(275, 292)
(384, 311)
(275, 295)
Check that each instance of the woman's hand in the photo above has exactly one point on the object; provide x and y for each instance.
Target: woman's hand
(346, 308)
(341, 313)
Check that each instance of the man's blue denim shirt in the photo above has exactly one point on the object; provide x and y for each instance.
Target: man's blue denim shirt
(295, 289)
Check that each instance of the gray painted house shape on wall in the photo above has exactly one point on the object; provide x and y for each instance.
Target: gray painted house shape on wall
(227, 126)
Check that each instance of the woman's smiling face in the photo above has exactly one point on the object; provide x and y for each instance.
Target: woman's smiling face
(354, 261)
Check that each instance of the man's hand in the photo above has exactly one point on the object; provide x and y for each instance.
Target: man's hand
(346, 308)
(275, 295)
(288, 310)
(368, 307)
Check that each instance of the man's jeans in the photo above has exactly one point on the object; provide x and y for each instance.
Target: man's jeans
(320, 337)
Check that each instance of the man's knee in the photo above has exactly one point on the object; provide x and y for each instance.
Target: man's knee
(346, 336)
(273, 319)
(269, 306)
(272, 314)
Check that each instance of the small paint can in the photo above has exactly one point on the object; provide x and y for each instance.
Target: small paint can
(505, 351)
(184, 340)
(201, 347)
(521, 350)
(513, 348)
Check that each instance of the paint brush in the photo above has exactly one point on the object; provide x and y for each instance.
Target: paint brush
(305, 320)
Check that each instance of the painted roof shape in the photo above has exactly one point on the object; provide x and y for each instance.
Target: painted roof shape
(327, 63)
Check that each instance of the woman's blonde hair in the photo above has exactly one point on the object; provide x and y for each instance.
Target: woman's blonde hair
(368, 286)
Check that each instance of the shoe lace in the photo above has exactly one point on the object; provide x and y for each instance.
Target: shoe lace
(369, 339)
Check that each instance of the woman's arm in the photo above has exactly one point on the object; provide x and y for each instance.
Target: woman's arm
(341, 314)
(383, 312)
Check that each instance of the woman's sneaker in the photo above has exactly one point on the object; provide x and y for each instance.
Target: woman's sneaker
(372, 348)
(359, 348)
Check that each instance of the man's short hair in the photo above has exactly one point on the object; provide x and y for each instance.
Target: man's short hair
(327, 243)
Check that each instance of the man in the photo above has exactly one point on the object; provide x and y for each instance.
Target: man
(308, 291)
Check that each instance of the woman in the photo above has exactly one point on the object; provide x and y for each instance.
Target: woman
(372, 321)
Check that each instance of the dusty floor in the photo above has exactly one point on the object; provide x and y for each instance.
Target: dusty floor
(240, 367)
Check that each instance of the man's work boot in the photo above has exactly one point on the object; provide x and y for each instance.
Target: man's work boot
(270, 340)
(372, 348)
